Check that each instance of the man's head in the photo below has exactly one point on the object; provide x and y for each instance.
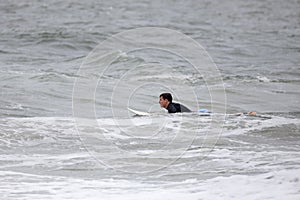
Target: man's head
(165, 99)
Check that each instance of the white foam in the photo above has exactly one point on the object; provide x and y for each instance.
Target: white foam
(279, 185)
(258, 124)
(263, 79)
(281, 181)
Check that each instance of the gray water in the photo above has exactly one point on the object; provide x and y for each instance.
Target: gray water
(47, 153)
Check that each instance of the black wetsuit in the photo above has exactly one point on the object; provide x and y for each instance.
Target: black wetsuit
(176, 107)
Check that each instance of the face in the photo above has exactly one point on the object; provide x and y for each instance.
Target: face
(163, 102)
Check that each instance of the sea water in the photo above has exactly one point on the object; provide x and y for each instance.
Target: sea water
(48, 152)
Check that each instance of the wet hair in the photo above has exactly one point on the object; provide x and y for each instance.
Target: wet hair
(167, 96)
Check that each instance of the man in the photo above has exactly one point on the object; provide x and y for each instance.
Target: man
(165, 101)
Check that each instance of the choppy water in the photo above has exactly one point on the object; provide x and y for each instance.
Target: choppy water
(256, 47)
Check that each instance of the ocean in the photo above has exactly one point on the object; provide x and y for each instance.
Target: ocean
(70, 69)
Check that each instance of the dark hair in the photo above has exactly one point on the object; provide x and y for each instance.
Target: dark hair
(167, 96)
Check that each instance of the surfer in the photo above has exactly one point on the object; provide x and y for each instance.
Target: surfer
(165, 101)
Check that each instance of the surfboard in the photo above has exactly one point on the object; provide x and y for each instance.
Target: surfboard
(139, 113)
(142, 113)
(201, 113)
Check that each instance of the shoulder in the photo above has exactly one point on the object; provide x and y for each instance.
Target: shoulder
(171, 108)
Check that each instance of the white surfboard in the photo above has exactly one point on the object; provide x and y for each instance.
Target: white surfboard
(139, 113)
(250, 114)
